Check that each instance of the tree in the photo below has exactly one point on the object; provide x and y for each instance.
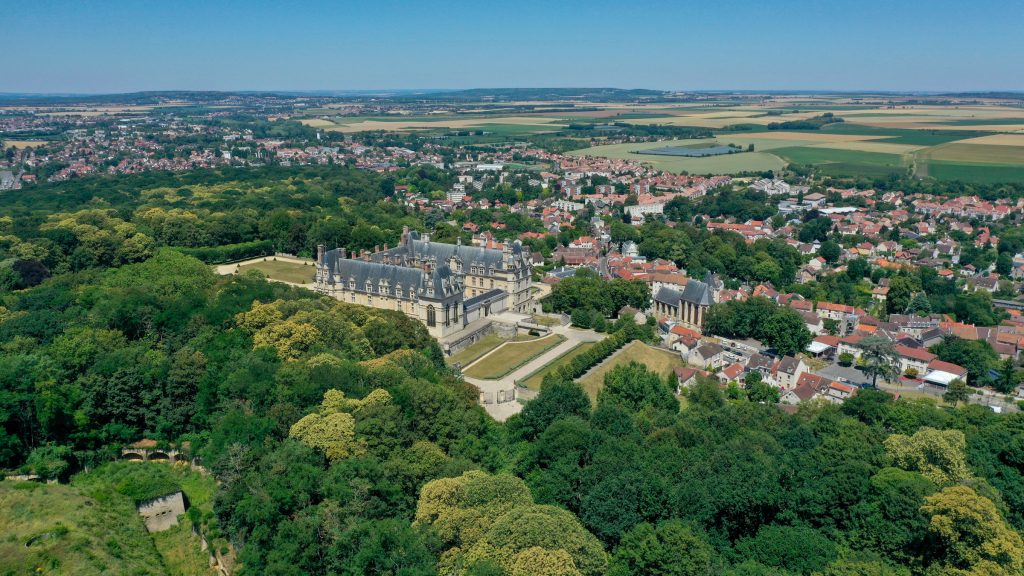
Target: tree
(846, 359)
(830, 251)
(558, 398)
(956, 392)
(971, 533)
(668, 549)
(901, 290)
(763, 392)
(920, 305)
(878, 358)
(1009, 377)
(636, 388)
(787, 332)
(977, 356)
(938, 455)
(796, 548)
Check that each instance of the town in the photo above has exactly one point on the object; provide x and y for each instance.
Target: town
(510, 331)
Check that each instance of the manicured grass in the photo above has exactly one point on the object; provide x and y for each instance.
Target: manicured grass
(281, 270)
(510, 356)
(533, 381)
(476, 350)
(545, 320)
(661, 361)
(81, 531)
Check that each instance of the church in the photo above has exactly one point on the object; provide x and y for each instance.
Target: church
(444, 286)
(689, 305)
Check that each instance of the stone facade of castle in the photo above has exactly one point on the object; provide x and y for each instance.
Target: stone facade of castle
(444, 286)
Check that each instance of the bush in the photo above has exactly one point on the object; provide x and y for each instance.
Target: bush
(229, 252)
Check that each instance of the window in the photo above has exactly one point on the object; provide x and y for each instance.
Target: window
(431, 317)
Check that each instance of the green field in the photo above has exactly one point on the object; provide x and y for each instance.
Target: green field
(723, 164)
(661, 361)
(837, 162)
(533, 381)
(62, 529)
(286, 271)
(900, 135)
(978, 173)
(510, 356)
(91, 526)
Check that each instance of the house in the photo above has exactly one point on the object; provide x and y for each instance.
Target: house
(730, 373)
(709, 356)
(913, 359)
(807, 387)
(942, 373)
(787, 371)
(686, 377)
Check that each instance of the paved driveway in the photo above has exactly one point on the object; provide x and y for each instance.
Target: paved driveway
(500, 412)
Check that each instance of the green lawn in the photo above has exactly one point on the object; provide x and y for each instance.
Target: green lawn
(512, 355)
(286, 271)
(661, 361)
(533, 381)
(480, 347)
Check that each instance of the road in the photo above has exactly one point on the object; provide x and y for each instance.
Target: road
(854, 376)
(573, 338)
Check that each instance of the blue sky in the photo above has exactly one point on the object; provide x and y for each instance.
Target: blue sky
(120, 46)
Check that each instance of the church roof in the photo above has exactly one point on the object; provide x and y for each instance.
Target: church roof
(694, 292)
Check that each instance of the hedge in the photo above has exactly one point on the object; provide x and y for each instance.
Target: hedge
(230, 252)
(603, 349)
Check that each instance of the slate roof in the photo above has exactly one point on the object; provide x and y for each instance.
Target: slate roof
(441, 279)
(442, 252)
(695, 292)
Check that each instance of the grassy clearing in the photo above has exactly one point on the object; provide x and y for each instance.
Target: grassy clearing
(510, 356)
(281, 270)
(533, 382)
(74, 531)
(661, 361)
(481, 347)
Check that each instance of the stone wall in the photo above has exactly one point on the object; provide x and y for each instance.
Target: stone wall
(161, 513)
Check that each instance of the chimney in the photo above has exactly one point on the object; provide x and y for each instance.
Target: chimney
(385, 246)
(320, 249)
(376, 248)
(366, 254)
(405, 236)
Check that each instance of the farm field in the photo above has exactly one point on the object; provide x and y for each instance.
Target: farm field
(22, 143)
(724, 164)
(534, 381)
(837, 162)
(285, 271)
(510, 356)
(661, 361)
(522, 124)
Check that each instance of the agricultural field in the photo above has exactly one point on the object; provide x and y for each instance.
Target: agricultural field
(977, 144)
(498, 124)
(285, 271)
(510, 356)
(661, 361)
(22, 143)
